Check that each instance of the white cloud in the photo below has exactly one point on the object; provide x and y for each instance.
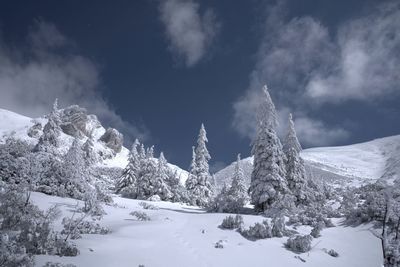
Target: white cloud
(368, 59)
(189, 32)
(47, 68)
(305, 65)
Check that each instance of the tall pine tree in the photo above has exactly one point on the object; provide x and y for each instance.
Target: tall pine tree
(127, 183)
(198, 184)
(268, 178)
(48, 141)
(295, 171)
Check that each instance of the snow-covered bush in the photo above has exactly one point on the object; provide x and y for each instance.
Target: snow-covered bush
(258, 231)
(140, 215)
(25, 226)
(316, 231)
(220, 244)
(58, 264)
(12, 254)
(333, 253)
(299, 243)
(92, 205)
(278, 226)
(312, 215)
(148, 206)
(231, 222)
(74, 228)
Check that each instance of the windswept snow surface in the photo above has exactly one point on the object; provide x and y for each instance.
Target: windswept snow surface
(180, 235)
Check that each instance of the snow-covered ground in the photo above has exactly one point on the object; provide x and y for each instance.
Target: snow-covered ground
(180, 235)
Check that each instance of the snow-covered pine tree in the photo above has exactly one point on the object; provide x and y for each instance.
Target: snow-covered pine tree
(76, 180)
(179, 193)
(191, 181)
(89, 152)
(268, 178)
(238, 191)
(295, 170)
(126, 185)
(198, 185)
(161, 186)
(148, 168)
(232, 199)
(51, 131)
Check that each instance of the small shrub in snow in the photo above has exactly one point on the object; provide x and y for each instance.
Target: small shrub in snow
(220, 244)
(13, 254)
(299, 243)
(58, 264)
(141, 216)
(64, 248)
(316, 231)
(333, 253)
(231, 222)
(258, 231)
(154, 198)
(148, 206)
(278, 228)
(76, 228)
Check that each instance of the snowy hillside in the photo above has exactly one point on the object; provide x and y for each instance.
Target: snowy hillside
(180, 235)
(18, 126)
(348, 165)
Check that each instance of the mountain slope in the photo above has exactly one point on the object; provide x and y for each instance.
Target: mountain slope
(346, 165)
(14, 124)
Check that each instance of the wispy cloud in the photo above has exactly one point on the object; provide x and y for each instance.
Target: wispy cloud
(189, 32)
(304, 65)
(366, 60)
(47, 67)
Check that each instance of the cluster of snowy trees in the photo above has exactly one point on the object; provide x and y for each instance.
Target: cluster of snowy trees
(146, 177)
(278, 180)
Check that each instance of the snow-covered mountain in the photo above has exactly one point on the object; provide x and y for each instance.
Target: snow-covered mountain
(356, 164)
(75, 123)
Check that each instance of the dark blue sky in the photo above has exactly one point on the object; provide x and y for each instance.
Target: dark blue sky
(148, 83)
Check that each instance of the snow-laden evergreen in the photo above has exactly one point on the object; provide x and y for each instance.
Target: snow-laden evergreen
(198, 183)
(77, 179)
(238, 190)
(232, 199)
(161, 177)
(89, 151)
(295, 171)
(268, 178)
(51, 131)
(127, 182)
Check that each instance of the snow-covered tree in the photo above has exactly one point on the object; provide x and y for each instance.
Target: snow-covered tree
(51, 131)
(295, 171)
(232, 199)
(178, 190)
(238, 190)
(198, 184)
(76, 177)
(161, 186)
(145, 181)
(89, 152)
(268, 178)
(127, 183)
